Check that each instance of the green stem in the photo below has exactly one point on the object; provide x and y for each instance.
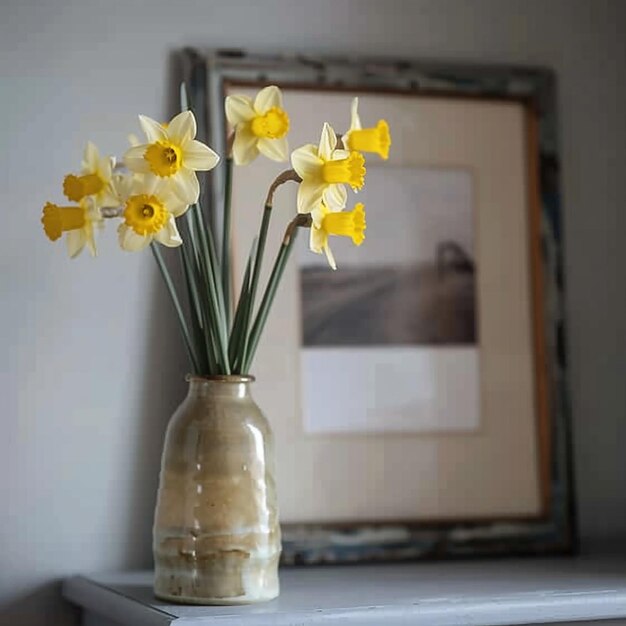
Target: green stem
(200, 327)
(256, 274)
(270, 291)
(176, 302)
(216, 316)
(225, 266)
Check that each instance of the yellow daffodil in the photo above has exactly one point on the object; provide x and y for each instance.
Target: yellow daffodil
(172, 154)
(324, 171)
(376, 139)
(94, 180)
(149, 208)
(342, 223)
(260, 126)
(77, 221)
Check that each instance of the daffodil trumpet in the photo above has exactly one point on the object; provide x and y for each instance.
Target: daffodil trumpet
(327, 223)
(376, 139)
(153, 196)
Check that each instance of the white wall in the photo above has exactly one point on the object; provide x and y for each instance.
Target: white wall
(91, 363)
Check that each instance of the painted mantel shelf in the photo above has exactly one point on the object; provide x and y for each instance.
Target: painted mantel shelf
(481, 593)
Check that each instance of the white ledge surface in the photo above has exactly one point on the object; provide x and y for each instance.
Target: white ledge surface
(468, 593)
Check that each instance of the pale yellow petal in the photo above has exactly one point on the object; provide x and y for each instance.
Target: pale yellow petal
(198, 156)
(131, 241)
(169, 235)
(245, 145)
(172, 202)
(90, 241)
(186, 186)
(268, 98)
(91, 158)
(75, 240)
(310, 195)
(108, 198)
(121, 185)
(328, 142)
(153, 130)
(330, 256)
(239, 109)
(339, 154)
(275, 149)
(149, 184)
(306, 162)
(355, 120)
(134, 159)
(182, 128)
(335, 197)
(105, 168)
(317, 240)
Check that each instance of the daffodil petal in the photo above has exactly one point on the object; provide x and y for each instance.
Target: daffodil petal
(239, 109)
(175, 205)
(186, 186)
(182, 128)
(310, 195)
(335, 197)
(134, 159)
(75, 240)
(131, 241)
(330, 256)
(317, 240)
(169, 235)
(267, 98)
(275, 149)
(355, 120)
(121, 185)
(91, 158)
(108, 197)
(153, 130)
(198, 156)
(244, 146)
(317, 215)
(90, 242)
(339, 154)
(105, 168)
(328, 142)
(306, 162)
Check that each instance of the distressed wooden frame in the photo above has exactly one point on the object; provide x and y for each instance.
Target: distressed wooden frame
(207, 75)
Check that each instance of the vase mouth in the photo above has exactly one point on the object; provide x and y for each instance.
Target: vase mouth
(221, 378)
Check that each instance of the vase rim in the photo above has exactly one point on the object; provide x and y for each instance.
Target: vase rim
(221, 378)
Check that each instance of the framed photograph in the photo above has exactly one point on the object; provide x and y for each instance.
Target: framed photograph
(417, 394)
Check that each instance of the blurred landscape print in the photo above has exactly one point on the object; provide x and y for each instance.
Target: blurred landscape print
(412, 282)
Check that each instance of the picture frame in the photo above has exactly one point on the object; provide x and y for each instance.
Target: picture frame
(455, 524)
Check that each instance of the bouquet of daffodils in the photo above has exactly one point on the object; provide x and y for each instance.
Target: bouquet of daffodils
(154, 193)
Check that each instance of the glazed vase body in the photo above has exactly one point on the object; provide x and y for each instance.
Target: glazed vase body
(216, 538)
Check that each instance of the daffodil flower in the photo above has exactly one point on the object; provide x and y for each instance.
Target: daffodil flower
(342, 223)
(77, 221)
(376, 139)
(260, 126)
(172, 154)
(324, 171)
(94, 181)
(149, 208)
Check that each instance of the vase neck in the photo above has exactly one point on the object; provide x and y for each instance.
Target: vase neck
(222, 386)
